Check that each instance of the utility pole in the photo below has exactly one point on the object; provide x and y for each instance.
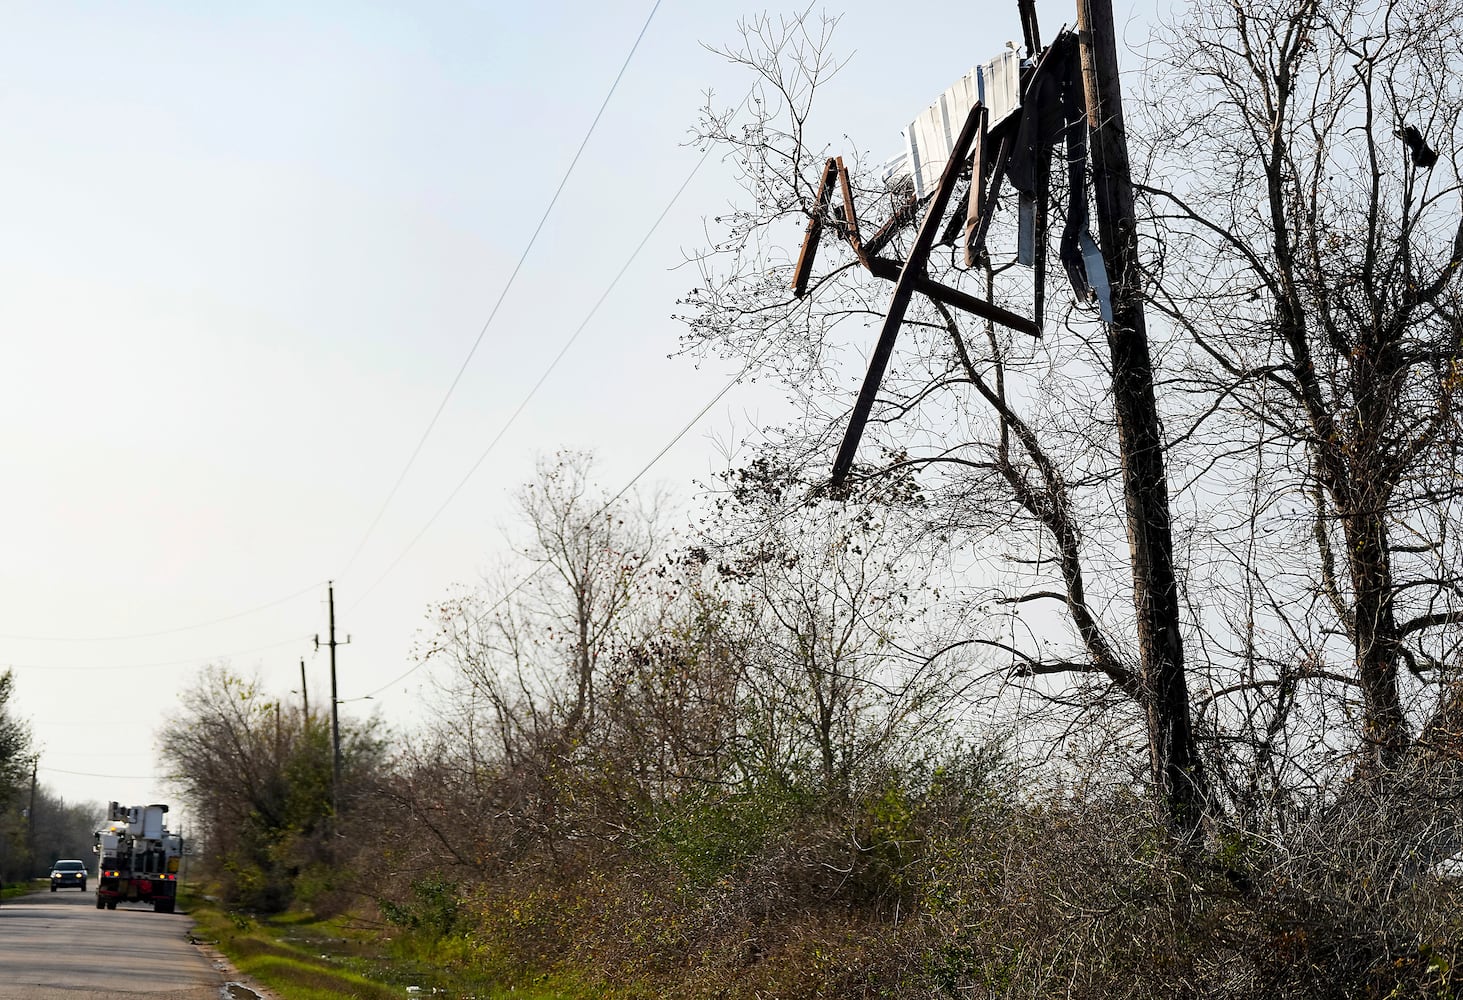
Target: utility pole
(334, 709)
(30, 815)
(305, 691)
(1177, 772)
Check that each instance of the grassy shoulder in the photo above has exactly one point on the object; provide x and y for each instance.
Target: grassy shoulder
(298, 956)
(24, 888)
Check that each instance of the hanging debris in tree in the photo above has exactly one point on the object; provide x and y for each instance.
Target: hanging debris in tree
(1423, 155)
(1027, 114)
(1002, 121)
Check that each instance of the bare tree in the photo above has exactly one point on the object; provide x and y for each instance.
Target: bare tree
(531, 657)
(838, 673)
(63, 829)
(15, 769)
(256, 774)
(15, 739)
(1313, 263)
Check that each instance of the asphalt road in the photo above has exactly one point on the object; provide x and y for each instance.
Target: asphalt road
(59, 946)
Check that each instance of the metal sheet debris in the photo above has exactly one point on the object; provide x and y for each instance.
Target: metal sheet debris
(995, 84)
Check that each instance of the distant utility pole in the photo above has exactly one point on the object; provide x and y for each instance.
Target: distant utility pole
(1177, 773)
(305, 691)
(334, 709)
(30, 815)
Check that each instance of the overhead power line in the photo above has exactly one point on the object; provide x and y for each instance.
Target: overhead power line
(163, 663)
(685, 429)
(89, 774)
(528, 397)
(167, 631)
(493, 313)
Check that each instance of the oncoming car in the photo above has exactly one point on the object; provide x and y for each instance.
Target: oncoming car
(68, 873)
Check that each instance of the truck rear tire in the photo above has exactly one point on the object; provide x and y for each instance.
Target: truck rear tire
(100, 904)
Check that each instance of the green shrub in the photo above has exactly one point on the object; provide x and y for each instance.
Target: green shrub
(711, 836)
(433, 910)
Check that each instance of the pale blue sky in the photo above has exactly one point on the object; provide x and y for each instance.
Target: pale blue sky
(243, 252)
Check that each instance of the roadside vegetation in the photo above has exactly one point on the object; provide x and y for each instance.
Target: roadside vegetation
(279, 954)
(14, 889)
(299, 956)
(37, 828)
(743, 811)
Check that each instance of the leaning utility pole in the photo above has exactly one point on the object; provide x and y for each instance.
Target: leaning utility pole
(1177, 772)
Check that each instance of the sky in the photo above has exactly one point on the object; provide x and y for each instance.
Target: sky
(247, 250)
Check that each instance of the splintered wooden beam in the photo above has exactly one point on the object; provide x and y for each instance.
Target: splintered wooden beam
(904, 288)
(883, 267)
(1030, 32)
(850, 214)
(814, 231)
(979, 223)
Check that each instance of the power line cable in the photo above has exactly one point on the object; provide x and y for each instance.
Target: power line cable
(162, 632)
(122, 777)
(685, 429)
(162, 663)
(431, 424)
(528, 397)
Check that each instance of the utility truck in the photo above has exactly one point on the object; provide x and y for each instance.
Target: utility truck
(138, 858)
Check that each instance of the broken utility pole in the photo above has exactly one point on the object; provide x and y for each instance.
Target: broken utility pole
(1177, 772)
(1087, 116)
